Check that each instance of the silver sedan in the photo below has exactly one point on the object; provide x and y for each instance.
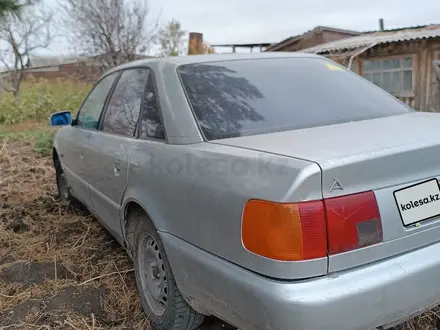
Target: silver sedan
(274, 191)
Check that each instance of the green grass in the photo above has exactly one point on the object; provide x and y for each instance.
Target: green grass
(44, 142)
(39, 100)
(26, 120)
(41, 139)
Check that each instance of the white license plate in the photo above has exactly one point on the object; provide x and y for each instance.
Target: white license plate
(418, 202)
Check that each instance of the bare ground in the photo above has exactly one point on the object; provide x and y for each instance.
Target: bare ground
(59, 269)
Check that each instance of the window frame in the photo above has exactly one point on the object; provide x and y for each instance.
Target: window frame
(159, 108)
(104, 112)
(104, 107)
(193, 112)
(110, 94)
(401, 57)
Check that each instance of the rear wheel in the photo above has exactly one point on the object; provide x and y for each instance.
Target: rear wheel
(161, 300)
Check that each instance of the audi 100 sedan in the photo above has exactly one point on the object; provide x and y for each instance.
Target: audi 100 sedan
(274, 191)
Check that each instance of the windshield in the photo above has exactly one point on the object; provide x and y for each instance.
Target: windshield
(246, 97)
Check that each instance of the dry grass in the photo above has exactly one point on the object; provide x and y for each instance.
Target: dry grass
(59, 269)
(36, 228)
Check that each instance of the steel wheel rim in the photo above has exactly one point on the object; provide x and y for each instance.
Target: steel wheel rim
(152, 275)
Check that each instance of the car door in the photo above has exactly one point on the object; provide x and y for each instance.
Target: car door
(112, 147)
(76, 153)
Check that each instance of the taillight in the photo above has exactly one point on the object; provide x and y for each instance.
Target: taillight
(353, 221)
(309, 230)
(285, 231)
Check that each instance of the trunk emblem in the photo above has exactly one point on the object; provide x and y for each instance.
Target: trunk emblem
(336, 186)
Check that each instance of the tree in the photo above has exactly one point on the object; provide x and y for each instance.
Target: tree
(171, 39)
(13, 7)
(222, 100)
(115, 31)
(9, 6)
(21, 38)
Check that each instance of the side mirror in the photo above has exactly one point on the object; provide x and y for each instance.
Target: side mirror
(61, 118)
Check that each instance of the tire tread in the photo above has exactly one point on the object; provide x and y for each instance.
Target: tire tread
(182, 316)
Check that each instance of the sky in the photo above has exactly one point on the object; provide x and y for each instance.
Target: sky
(254, 21)
(247, 21)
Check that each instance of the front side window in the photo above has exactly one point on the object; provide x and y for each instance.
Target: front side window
(392, 74)
(151, 124)
(125, 104)
(248, 97)
(90, 112)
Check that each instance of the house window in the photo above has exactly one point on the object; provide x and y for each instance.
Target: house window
(392, 74)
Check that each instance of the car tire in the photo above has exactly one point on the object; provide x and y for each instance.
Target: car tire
(63, 188)
(161, 300)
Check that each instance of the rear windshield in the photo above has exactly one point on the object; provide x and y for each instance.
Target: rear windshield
(246, 97)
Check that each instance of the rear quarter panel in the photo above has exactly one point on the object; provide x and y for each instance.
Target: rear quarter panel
(197, 193)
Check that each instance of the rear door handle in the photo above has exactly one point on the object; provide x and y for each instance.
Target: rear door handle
(117, 167)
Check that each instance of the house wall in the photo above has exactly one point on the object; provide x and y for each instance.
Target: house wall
(425, 95)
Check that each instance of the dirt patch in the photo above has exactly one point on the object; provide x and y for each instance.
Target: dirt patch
(31, 273)
(17, 225)
(83, 302)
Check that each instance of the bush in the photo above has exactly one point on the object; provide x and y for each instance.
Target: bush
(40, 139)
(38, 100)
(44, 143)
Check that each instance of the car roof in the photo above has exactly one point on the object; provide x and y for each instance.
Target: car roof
(194, 59)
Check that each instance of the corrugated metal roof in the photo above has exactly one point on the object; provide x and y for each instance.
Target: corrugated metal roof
(377, 38)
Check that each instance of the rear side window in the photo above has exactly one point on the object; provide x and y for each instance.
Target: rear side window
(90, 112)
(246, 97)
(151, 124)
(125, 104)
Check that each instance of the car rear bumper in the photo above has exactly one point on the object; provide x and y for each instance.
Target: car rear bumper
(363, 298)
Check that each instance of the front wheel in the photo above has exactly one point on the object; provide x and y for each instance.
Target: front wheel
(63, 187)
(161, 300)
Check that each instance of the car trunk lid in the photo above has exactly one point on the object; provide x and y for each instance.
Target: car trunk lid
(382, 155)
